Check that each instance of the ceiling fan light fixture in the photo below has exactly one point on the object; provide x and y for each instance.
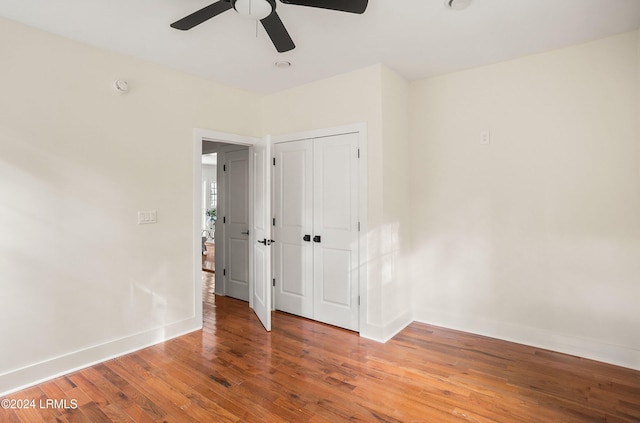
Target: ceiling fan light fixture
(457, 4)
(253, 9)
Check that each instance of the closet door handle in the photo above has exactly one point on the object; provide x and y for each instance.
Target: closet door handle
(307, 238)
(317, 238)
(264, 241)
(245, 233)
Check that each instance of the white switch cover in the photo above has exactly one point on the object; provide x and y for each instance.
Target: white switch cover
(485, 138)
(146, 217)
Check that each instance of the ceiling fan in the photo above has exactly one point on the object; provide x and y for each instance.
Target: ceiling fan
(265, 12)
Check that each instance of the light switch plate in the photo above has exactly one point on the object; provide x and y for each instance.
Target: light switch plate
(147, 217)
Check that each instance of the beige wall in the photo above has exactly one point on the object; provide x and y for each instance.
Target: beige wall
(535, 237)
(393, 237)
(80, 280)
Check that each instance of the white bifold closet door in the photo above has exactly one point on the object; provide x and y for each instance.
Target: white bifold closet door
(316, 229)
(293, 214)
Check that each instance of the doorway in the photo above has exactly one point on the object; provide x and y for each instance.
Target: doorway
(225, 219)
(205, 283)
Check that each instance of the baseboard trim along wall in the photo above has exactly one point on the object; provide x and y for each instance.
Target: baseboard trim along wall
(619, 355)
(25, 377)
(385, 333)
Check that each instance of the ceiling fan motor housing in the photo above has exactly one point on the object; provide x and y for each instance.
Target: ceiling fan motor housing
(254, 9)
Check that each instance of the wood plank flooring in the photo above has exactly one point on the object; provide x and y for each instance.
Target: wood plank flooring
(233, 371)
(208, 258)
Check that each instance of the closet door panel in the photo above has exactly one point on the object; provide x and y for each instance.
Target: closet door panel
(335, 225)
(336, 269)
(293, 200)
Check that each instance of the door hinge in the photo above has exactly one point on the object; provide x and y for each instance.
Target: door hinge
(224, 168)
(224, 219)
(274, 282)
(358, 226)
(274, 221)
(358, 299)
(224, 272)
(358, 155)
(274, 161)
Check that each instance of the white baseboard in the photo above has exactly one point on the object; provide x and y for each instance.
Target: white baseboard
(619, 355)
(384, 333)
(19, 379)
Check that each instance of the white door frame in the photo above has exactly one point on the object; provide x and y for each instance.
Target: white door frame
(200, 135)
(361, 130)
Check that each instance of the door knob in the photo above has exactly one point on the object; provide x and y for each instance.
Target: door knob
(307, 238)
(316, 238)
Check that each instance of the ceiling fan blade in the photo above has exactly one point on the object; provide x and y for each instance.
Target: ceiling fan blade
(278, 33)
(351, 6)
(204, 14)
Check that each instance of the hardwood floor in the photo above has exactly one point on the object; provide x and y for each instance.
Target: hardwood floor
(208, 259)
(305, 371)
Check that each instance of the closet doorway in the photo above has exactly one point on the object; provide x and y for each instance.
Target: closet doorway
(316, 228)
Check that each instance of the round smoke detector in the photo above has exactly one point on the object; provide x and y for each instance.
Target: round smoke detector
(457, 4)
(121, 86)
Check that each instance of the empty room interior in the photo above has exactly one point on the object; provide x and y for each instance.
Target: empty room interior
(320, 211)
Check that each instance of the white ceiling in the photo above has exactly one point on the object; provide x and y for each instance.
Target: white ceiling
(416, 38)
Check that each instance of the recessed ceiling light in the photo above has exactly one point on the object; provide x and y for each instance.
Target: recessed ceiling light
(283, 64)
(457, 4)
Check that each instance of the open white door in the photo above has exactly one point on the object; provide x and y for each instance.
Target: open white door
(261, 233)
